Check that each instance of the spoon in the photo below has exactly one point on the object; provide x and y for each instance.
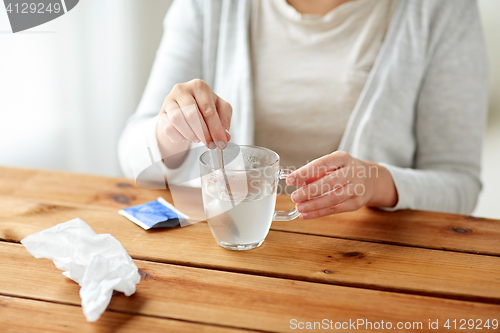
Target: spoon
(220, 157)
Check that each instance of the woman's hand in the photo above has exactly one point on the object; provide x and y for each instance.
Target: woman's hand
(338, 182)
(193, 112)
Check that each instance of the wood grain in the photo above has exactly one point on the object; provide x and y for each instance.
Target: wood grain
(411, 228)
(64, 187)
(24, 315)
(288, 255)
(230, 299)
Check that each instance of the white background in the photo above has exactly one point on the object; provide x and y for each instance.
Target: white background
(68, 86)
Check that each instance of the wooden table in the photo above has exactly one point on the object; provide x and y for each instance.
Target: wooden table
(405, 267)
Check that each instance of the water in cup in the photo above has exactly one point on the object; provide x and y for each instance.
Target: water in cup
(248, 222)
(252, 177)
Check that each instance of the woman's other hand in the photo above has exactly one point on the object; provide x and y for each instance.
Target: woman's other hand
(338, 182)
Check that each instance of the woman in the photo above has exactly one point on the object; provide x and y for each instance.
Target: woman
(397, 88)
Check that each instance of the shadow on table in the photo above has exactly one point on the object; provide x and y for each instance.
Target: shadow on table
(129, 307)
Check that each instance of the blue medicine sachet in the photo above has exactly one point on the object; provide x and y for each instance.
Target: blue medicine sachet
(154, 214)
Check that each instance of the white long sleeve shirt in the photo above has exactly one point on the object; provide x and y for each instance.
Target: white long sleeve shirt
(421, 113)
(308, 72)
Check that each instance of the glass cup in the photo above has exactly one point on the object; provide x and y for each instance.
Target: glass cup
(240, 214)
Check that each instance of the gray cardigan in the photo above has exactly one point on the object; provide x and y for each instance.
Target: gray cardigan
(421, 113)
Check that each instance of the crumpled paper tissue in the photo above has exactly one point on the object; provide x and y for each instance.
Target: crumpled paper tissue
(97, 262)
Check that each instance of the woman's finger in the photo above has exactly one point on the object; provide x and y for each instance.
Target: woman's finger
(328, 183)
(225, 111)
(168, 129)
(194, 119)
(327, 200)
(318, 168)
(206, 105)
(176, 117)
(346, 206)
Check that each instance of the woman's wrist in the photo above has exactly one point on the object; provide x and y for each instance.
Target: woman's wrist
(384, 192)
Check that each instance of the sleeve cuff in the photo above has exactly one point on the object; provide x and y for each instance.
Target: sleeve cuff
(403, 187)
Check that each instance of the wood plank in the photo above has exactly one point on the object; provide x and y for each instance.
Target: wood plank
(408, 227)
(413, 228)
(12, 178)
(25, 315)
(283, 254)
(231, 299)
(77, 189)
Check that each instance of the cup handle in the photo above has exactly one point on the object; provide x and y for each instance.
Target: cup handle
(285, 215)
